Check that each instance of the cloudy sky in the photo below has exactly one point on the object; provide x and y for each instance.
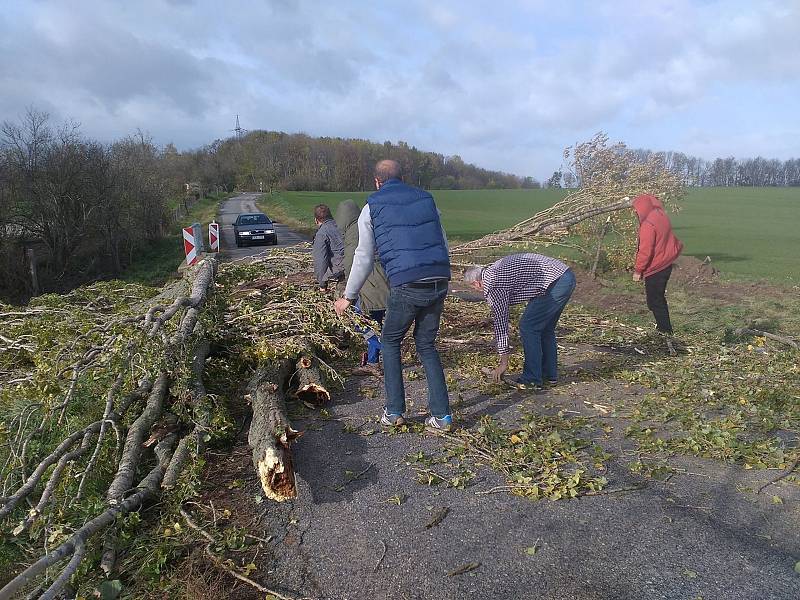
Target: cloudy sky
(504, 84)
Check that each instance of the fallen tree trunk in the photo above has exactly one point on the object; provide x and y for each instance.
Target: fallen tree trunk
(271, 433)
(172, 450)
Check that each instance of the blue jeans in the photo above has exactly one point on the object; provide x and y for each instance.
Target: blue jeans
(373, 341)
(422, 307)
(537, 327)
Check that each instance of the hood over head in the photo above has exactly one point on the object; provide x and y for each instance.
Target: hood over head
(643, 204)
(346, 214)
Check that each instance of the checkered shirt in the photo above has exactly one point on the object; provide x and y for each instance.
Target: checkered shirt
(515, 279)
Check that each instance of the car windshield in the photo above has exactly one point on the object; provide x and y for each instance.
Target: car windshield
(254, 220)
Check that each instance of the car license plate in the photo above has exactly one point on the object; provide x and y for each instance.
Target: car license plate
(258, 237)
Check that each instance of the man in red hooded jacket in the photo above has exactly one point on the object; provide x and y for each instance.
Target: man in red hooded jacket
(658, 249)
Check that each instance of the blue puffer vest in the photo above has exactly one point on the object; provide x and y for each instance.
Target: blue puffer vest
(408, 233)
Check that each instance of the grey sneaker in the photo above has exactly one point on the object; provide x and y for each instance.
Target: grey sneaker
(444, 423)
(389, 420)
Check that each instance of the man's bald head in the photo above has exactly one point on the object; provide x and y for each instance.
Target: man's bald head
(387, 169)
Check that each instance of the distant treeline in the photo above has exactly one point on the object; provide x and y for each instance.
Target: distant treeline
(732, 172)
(720, 172)
(276, 160)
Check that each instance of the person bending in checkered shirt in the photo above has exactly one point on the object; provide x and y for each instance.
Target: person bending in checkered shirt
(546, 284)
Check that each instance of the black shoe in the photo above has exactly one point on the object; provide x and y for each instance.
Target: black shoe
(531, 387)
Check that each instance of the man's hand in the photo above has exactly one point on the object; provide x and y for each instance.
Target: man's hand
(341, 305)
(497, 374)
(637, 276)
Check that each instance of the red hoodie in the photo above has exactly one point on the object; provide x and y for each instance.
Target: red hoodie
(658, 246)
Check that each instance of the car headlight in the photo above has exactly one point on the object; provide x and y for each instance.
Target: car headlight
(270, 231)
(244, 233)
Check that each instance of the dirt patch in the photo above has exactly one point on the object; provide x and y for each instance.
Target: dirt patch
(689, 270)
(601, 294)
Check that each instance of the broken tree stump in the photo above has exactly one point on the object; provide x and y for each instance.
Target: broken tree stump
(307, 381)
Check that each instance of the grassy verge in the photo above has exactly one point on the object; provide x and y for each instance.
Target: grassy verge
(159, 261)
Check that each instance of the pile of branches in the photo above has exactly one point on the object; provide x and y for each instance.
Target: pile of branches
(287, 332)
(103, 403)
(609, 177)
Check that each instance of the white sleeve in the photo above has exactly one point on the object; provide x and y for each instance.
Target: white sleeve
(444, 235)
(364, 256)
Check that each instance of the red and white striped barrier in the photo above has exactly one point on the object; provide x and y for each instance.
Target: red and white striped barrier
(189, 245)
(213, 236)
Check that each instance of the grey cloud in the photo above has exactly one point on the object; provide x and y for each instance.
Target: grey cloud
(469, 81)
(112, 67)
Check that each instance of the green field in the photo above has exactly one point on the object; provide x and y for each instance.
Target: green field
(747, 232)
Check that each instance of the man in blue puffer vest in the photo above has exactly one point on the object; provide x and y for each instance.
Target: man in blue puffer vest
(402, 223)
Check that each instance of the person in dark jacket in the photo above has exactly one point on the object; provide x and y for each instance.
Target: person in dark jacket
(327, 248)
(402, 223)
(658, 249)
(372, 298)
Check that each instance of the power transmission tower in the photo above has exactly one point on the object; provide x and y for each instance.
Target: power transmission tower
(238, 129)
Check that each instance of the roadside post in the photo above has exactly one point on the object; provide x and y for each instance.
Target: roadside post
(213, 236)
(193, 242)
(189, 245)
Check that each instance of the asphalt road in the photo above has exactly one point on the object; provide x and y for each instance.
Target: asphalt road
(703, 534)
(246, 203)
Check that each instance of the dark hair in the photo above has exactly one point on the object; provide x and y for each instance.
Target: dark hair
(322, 212)
(387, 169)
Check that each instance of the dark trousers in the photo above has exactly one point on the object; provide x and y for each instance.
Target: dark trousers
(655, 286)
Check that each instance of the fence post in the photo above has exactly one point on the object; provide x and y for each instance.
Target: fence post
(31, 254)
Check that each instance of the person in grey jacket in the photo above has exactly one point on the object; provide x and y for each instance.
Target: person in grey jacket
(327, 248)
(372, 297)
